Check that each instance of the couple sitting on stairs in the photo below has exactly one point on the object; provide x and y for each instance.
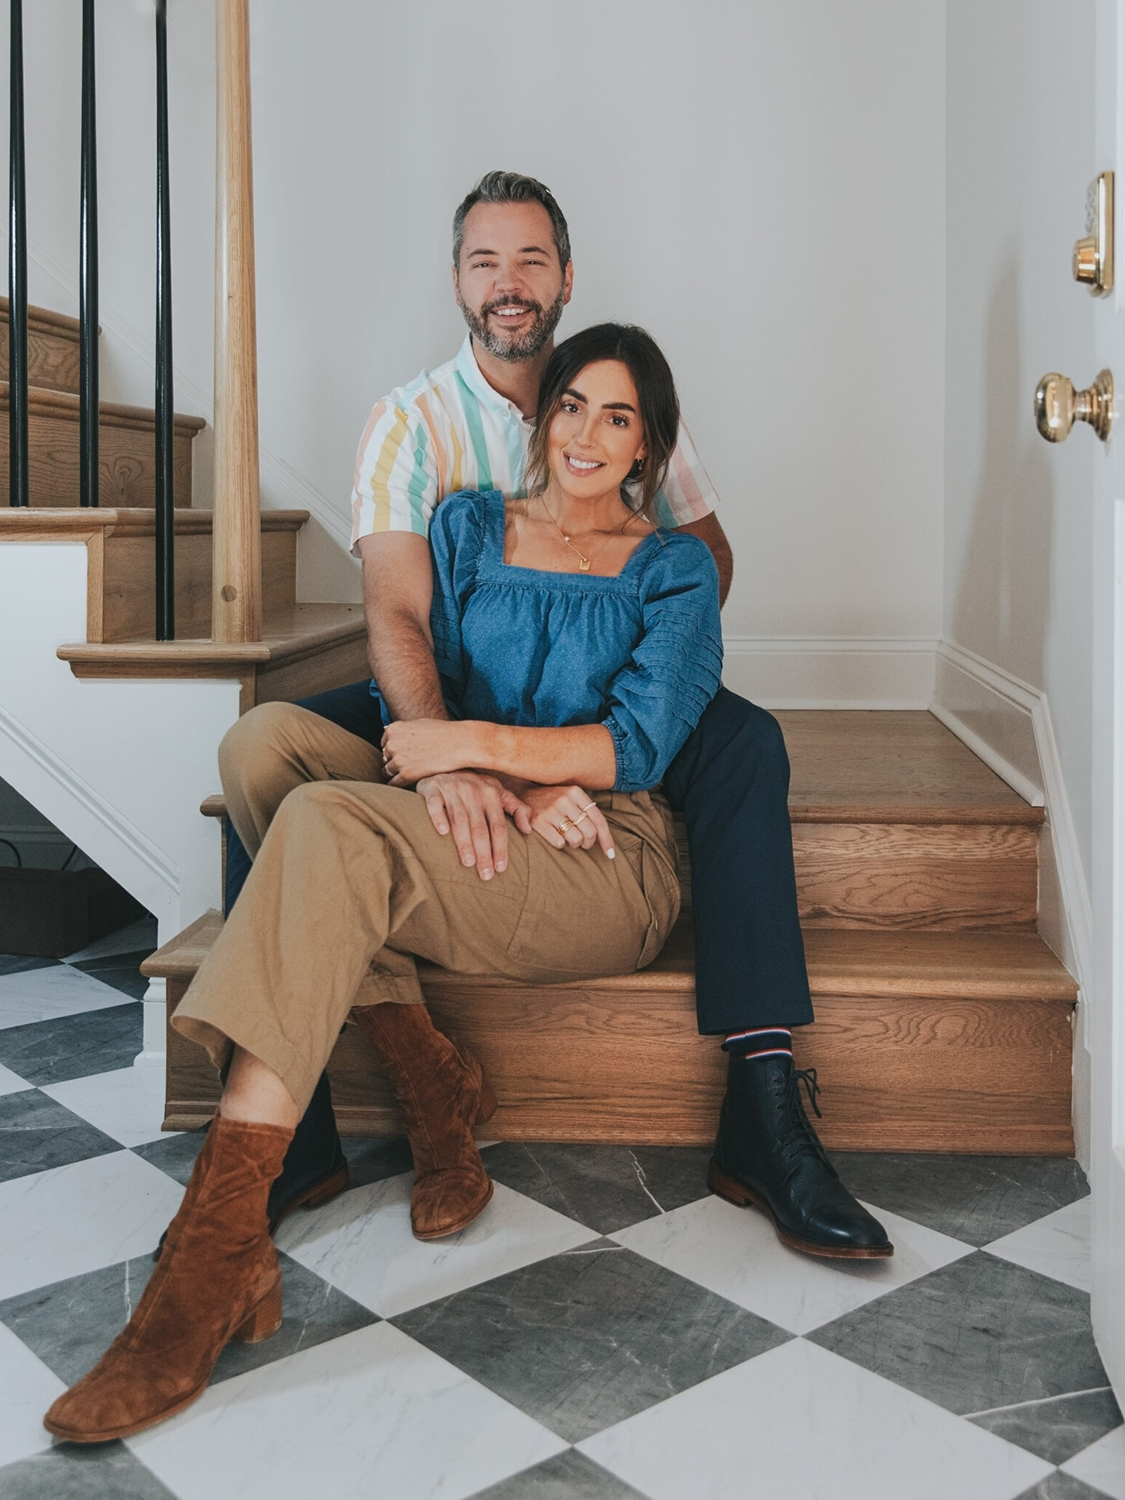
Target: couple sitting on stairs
(556, 663)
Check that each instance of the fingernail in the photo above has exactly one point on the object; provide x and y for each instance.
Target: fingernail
(441, 828)
(486, 874)
(501, 866)
(611, 854)
(467, 859)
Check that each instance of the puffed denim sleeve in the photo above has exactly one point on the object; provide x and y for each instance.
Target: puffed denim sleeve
(675, 670)
(456, 540)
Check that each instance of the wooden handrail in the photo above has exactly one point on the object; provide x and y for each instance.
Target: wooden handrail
(236, 598)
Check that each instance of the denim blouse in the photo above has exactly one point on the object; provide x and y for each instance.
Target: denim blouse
(640, 653)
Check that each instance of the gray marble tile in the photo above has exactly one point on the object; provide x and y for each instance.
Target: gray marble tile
(581, 1341)
(604, 1187)
(567, 1476)
(107, 1471)
(122, 970)
(94, 1041)
(372, 1158)
(973, 1198)
(1057, 1428)
(975, 1335)
(19, 963)
(175, 1154)
(71, 1323)
(1062, 1487)
(36, 1133)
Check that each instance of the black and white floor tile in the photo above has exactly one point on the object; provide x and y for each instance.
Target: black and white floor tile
(605, 1331)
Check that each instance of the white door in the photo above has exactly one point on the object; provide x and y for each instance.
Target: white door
(1107, 1001)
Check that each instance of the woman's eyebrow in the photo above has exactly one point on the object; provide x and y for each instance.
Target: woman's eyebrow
(578, 396)
(618, 406)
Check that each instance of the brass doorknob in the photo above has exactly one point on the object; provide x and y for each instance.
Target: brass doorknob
(1058, 406)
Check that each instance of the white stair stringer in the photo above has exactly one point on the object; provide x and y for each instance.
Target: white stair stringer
(120, 767)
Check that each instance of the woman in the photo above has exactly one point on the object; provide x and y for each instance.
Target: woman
(578, 645)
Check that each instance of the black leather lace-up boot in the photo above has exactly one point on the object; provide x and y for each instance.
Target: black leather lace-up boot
(768, 1154)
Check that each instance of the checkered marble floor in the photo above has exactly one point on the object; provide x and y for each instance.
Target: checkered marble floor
(605, 1331)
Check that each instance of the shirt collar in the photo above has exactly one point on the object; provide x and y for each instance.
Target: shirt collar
(470, 373)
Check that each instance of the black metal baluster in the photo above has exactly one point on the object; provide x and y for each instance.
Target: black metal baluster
(88, 276)
(165, 493)
(17, 277)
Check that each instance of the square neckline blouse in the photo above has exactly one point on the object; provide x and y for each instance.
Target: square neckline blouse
(496, 516)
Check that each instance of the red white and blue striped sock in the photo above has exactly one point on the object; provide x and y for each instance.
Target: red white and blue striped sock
(762, 1041)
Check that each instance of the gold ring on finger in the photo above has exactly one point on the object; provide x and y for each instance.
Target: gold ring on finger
(583, 819)
(588, 806)
(561, 828)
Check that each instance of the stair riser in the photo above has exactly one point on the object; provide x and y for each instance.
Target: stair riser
(128, 588)
(127, 462)
(52, 357)
(568, 1065)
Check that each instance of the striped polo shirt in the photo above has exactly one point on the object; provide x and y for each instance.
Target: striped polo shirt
(448, 430)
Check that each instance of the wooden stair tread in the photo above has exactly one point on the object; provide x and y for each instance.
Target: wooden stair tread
(65, 405)
(891, 766)
(45, 320)
(53, 358)
(917, 965)
(298, 631)
(76, 522)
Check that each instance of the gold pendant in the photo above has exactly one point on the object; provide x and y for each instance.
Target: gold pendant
(584, 565)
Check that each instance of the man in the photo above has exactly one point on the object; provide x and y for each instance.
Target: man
(466, 425)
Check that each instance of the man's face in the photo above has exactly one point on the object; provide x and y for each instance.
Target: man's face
(509, 284)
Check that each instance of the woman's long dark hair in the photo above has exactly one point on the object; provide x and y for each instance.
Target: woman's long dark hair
(656, 392)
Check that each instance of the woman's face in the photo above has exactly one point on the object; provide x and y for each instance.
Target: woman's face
(595, 436)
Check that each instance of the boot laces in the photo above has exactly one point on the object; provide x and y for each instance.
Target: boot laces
(805, 1138)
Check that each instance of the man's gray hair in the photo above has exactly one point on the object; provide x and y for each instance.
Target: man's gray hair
(511, 187)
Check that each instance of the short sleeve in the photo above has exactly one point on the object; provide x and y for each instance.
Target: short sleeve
(456, 542)
(675, 670)
(687, 493)
(396, 475)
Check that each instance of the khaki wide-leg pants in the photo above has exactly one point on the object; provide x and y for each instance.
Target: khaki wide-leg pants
(351, 882)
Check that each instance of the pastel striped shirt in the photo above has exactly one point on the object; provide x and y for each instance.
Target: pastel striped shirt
(448, 430)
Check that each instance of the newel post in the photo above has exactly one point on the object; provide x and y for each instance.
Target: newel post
(236, 597)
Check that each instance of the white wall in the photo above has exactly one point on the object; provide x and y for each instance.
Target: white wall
(761, 185)
(1018, 518)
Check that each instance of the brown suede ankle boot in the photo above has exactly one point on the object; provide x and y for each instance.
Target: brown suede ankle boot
(442, 1094)
(218, 1279)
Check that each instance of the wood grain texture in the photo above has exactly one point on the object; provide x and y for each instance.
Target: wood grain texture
(891, 767)
(987, 1072)
(52, 348)
(237, 588)
(127, 462)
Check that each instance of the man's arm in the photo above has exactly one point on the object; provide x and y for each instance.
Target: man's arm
(398, 589)
(709, 530)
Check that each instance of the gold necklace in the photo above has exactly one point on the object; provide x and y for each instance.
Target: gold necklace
(583, 560)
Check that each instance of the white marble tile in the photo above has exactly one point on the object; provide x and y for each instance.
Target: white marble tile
(131, 939)
(802, 1421)
(127, 1103)
(46, 994)
(370, 1414)
(361, 1242)
(27, 1389)
(79, 1217)
(1056, 1246)
(12, 1083)
(736, 1253)
(1102, 1464)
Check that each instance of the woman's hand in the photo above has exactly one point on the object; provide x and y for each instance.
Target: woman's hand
(413, 748)
(566, 816)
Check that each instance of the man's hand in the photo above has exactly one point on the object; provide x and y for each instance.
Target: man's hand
(574, 811)
(472, 808)
(413, 748)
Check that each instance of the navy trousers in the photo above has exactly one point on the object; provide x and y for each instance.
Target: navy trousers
(731, 782)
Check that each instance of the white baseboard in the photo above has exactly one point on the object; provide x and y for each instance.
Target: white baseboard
(858, 672)
(1007, 722)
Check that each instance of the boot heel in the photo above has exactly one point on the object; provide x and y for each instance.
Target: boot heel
(488, 1102)
(727, 1187)
(263, 1321)
(330, 1188)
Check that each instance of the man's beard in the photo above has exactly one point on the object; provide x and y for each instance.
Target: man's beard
(523, 345)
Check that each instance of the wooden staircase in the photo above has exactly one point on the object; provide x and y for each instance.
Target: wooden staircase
(943, 1019)
(304, 647)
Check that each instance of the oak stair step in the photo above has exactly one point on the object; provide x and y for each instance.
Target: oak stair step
(927, 1041)
(127, 461)
(52, 348)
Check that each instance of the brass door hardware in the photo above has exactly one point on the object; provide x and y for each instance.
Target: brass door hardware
(1058, 406)
(1093, 256)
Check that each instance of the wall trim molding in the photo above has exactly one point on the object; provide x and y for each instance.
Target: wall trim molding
(1007, 722)
(831, 672)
